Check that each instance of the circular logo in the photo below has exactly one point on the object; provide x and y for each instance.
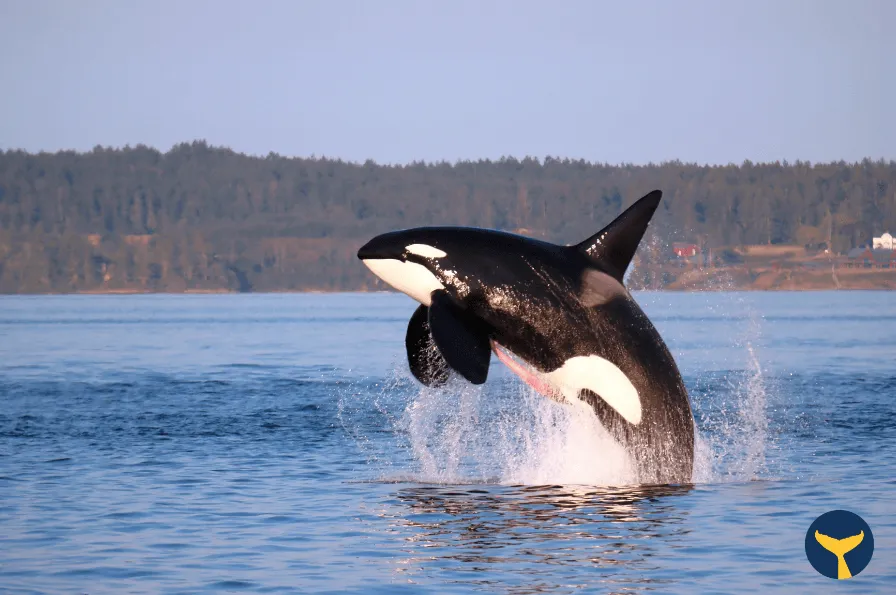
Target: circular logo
(839, 544)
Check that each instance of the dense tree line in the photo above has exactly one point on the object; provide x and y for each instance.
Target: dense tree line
(206, 218)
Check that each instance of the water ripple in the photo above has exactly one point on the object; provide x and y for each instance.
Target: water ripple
(278, 445)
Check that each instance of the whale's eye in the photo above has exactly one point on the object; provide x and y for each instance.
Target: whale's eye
(425, 250)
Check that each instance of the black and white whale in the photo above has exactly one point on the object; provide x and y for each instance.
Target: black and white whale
(558, 316)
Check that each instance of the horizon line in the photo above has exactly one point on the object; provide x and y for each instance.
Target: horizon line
(541, 160)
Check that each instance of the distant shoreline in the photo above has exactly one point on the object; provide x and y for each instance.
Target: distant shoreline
(203, 219)
(138, 292)
(759, 275)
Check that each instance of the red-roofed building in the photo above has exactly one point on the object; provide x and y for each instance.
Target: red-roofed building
(683, 250)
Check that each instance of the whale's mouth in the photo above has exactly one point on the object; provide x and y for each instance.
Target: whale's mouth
(529, 375)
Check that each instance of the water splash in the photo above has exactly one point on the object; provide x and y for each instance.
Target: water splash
(511, 436)
(731, 409)
(506, 433)
(732, 429)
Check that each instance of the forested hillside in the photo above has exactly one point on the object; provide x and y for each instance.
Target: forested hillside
(205, 218)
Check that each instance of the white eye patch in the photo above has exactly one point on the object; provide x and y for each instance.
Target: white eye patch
(425, 250)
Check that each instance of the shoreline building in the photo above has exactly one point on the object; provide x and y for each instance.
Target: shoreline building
(884, 242)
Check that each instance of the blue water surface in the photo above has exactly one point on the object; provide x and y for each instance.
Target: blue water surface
(276, 443)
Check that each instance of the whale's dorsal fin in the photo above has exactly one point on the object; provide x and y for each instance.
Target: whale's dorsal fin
(614, 246)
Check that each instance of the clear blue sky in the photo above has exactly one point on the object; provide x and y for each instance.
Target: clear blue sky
(709, 81)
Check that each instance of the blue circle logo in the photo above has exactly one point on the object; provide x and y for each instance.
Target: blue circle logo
(839, 544)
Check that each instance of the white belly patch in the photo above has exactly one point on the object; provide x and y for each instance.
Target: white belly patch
(603, 378)
(591, 372)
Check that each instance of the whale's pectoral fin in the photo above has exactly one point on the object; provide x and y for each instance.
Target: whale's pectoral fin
(426, 361)
(461, 338)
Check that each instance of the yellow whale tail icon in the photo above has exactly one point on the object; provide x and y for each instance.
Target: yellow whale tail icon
(839, 547)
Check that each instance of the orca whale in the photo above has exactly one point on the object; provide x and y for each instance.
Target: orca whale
(558, 316)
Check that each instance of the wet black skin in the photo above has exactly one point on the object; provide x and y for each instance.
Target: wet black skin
(548, 303)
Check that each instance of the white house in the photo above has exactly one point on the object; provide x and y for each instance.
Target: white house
(884, 242)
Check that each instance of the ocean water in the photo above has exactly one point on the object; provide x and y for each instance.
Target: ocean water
(277, 444)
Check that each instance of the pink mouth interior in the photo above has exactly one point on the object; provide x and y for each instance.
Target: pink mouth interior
(527, 373)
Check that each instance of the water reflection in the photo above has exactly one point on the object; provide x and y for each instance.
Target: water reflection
(603, 538)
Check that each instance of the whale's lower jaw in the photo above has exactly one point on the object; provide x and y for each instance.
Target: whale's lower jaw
(410, 278)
